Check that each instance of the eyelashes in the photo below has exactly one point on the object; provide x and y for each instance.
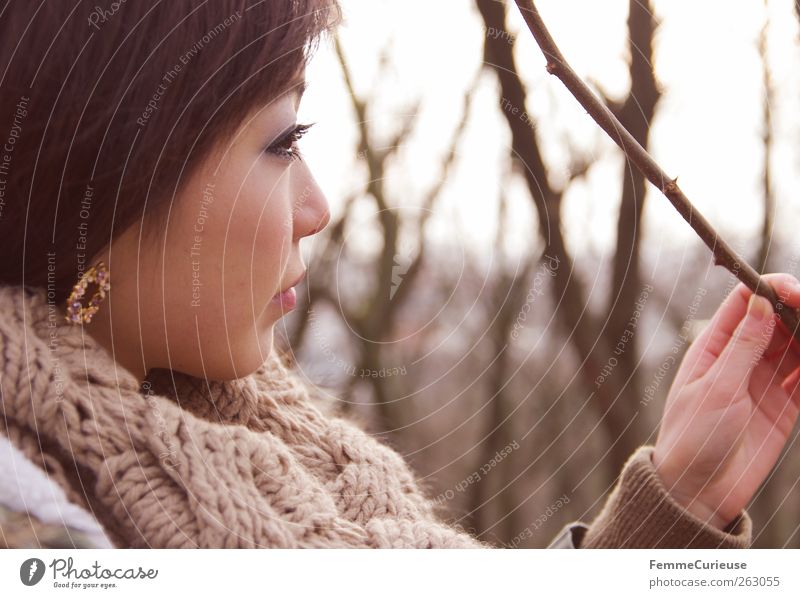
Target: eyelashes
(286, 147)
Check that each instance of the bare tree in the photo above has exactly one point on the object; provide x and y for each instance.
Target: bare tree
(510, 289)
(593, 338)
(722, 252)
(374, 319)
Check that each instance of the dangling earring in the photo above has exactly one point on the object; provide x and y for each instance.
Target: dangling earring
(76, 312)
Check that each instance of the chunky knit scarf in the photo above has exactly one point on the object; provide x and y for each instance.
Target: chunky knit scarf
(183, 462)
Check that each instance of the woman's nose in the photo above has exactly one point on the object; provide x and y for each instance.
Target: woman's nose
(312, 213)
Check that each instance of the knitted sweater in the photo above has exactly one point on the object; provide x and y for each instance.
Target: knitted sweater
(184, 462)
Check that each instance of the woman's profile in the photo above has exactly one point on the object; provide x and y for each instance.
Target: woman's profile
(153, 200)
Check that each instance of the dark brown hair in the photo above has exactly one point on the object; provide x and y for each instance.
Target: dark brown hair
(106, 107)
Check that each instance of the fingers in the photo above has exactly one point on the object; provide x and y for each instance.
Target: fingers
(786, 286)
(792, 386)
(717, 334)
(747, 344)
(783, 352)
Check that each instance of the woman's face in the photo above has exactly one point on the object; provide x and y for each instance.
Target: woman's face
(205, 298)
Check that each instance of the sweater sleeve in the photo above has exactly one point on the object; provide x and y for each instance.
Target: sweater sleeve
(640, 513)
(35, 511)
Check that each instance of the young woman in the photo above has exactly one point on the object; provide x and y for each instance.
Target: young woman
(153, 202)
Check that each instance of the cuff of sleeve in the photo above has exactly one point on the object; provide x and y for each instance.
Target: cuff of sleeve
(640, 513)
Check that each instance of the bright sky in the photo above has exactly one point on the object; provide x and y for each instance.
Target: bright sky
(707, 129)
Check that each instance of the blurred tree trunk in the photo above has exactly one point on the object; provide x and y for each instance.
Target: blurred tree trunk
(763, 259)
(375, 317)
(509, 296)
(594, 339)
(768, 499)
(635, 114)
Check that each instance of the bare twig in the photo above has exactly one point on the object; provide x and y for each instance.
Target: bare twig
(724, 254)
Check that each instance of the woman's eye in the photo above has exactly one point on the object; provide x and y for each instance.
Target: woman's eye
(286, 146)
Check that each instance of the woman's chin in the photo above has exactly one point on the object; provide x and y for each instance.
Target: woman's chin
(252, 357)
(239, 361)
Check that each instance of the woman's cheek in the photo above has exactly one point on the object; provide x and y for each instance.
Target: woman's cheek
(259, 236)
(273, 244)
(273, 252)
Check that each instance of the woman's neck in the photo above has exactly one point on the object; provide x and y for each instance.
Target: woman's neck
(126, 353)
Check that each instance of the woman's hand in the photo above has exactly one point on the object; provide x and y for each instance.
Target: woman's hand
(732, 405)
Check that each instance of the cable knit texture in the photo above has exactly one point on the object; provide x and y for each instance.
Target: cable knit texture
(182, 462)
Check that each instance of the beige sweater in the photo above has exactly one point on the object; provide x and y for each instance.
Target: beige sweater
(183, 462)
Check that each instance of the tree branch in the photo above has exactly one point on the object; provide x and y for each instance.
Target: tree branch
(723, 253)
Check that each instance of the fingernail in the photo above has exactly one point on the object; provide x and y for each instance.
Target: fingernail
(758, 307)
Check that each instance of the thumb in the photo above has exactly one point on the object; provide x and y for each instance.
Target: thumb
(746, 346)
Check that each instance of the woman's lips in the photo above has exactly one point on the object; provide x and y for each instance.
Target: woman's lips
(287, 299)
